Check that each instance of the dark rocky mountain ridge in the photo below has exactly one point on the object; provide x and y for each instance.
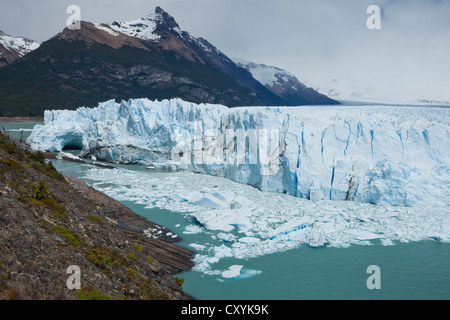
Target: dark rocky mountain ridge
(149, 57)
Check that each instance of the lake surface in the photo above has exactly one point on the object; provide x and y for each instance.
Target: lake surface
(412, 270)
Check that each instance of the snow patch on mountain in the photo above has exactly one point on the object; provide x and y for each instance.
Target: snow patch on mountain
(107, 29)
(284, 84)
(18, 45)
(263, 73)
(143, 28)
(268, 75)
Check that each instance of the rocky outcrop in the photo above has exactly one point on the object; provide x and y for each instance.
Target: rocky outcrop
(49, 222)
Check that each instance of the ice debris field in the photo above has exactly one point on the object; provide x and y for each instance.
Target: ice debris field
(345, 175)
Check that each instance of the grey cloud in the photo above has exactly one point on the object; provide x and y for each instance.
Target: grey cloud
(315, 40)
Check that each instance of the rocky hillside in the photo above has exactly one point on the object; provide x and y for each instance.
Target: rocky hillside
(49, 222)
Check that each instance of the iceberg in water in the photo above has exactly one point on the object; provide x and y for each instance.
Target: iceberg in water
(373, 154)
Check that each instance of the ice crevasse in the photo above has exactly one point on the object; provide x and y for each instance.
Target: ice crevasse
(392, 155)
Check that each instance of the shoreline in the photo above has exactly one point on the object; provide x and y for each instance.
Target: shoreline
(21, 119)
(176, 258)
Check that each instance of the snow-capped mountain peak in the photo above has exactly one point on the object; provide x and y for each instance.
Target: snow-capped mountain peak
(143, 28)
(13, 48)
(20, 45)
(149, 27)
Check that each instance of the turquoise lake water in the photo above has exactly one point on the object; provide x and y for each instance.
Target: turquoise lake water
(414, 270)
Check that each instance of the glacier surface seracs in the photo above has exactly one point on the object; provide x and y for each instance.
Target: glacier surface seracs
(391, 155)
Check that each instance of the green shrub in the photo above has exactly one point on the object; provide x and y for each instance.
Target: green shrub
(105, 258)
(180, 281)
(60, 213)
(48, 169)
(13, 164)
(37, 156)
(91, 294)
(138, 247)
(70, 236)
(151, 260)
(40, 191)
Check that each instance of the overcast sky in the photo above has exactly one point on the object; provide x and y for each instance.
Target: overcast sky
(317, 40)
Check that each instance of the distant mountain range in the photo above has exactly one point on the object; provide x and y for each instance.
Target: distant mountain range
(356, 91)
(149, 57)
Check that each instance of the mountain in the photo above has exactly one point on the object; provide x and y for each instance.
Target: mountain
(95, 63)
(284, 84)
(12, 48)
(163, 29)
(149, 57)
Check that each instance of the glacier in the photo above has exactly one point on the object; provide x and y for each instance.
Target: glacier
(382, 155)
(326, 176)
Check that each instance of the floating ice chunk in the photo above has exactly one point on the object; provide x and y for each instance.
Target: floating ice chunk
(187, 196)
(227, 237)
(211, 202)
(364, 235)
(214, 201)
(224, 220)
(315, 238)
(198, 247)
(192, 229)
(202, 263)
(62, 155)
(232, 272)
(291, 226)
(387, 242)
(223, 252)
(249, 240)
(248, 273)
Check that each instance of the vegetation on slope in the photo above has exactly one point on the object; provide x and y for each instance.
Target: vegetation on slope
(47, 225)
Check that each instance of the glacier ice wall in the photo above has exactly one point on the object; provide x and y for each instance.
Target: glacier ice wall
(374, 154)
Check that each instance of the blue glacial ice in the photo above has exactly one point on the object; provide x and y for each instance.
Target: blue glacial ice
(371, 154)
(391, 164)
